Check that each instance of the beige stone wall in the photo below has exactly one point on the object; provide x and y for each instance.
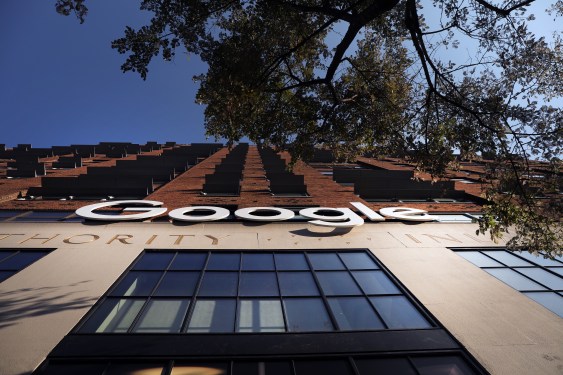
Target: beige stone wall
(507, 332)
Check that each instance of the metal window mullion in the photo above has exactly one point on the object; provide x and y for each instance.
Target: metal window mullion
(10, 257)
(406, 293)
(13, 218)
(150, 294)
(529, 278)
(490, 257)
(364, 293)
(410, 361)
(139, 314)
(532, 265)
(237, 295)
(280, 299)
(191, 307)
(167, 369)
(292, 366)
(105, 371)
(528, 260)
(322, 294)
(352, 364)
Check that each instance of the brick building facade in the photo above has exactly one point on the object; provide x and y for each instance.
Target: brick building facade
(237, 296)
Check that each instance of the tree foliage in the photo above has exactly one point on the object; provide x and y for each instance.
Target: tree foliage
(381, 77)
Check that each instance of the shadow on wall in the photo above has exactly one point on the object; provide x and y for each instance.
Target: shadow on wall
(321, 232)
(32, 302)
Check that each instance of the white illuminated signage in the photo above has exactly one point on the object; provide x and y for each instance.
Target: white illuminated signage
(406, 213)
(88, 211)
(322, 216)
(180, 213)
(344, 218)
(251, 213)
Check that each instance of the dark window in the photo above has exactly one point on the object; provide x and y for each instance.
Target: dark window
(536, 276)
(46, 216)
(7, 215)
(12, 261)
(452, 364)
(179, 292)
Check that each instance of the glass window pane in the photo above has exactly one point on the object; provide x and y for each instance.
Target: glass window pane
(178, 284)
(338, 283)
(325, 261)
(258, 284)
(375, 282)
(113, 315)
(258, 368)
(478, 259)
(216, 315)
(354, 313)
(540, 259)
(248, 368)
(163, 316)
(8, 214)
(21, 260)
(297, 284)
(189, 261)
(443, 365)
(358, 261)
(137, 284)
(222, 261)
(549, 300)
(542, 276)
(444, 218)
(373, 366)
(5, 254)
(83, 368)
(291, 262)
(43, 216)
(557, 270)
(257, 262)
(219, 284)
(277, 368)
(325, 366)
(507, 258)
(153, 261)
(5, 274)
(260, 315)
(514, 279)
(398, 312)
(306, 314)
(135, 368)
(196, 368)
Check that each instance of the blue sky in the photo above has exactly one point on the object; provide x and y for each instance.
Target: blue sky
(61, 82)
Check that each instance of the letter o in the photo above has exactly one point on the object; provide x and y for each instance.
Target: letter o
(180, 213)
(346, 219)
(249, 214)
(68, 240)
(312, 213)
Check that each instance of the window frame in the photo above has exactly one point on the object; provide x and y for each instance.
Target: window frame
(312, 270)
(516, 268)
(16, 252)
(231, 347)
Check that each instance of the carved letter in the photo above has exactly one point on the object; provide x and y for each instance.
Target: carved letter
(34, 237)
(120, 239)
(180, 237)
(94, 238)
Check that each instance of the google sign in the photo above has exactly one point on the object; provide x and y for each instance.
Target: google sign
(322, 216)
